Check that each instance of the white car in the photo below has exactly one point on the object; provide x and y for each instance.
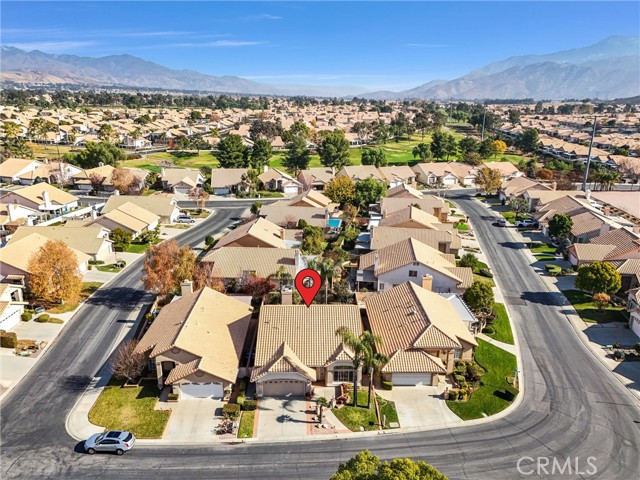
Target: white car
(185, 219)
(526, 223)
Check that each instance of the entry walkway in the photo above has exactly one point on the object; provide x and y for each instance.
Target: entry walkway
(504, 346)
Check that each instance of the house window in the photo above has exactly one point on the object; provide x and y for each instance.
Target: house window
(457, 353)
(343, 374)
(152, 365)
(413, 273)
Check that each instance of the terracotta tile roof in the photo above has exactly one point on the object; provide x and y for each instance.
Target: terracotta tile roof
(465, 274)
(630, 267)
(309, 332)
(383, 236)
(624, 239)
(233, 262)
(406, 361)
(173, 176)
(426, 203)
(586, 222)
(182, 370)
(591, 252)
(408, 316)
(518, 185)
(310, 198)
(162, 205)
(130, 216)
(404, 191)
(321, 174)
(283, 214)
(413, 214)
(34, 193)
(505, 168)
(360, 172)
(17, 254)
(87, 240)
(397, 173)
(342, 353)
(227, 177)
(207, 324)
(283, 360)
(260, 228)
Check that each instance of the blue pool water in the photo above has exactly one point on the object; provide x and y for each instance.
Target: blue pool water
(334, 223)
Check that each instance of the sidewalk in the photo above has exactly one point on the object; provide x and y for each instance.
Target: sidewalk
(504, 346)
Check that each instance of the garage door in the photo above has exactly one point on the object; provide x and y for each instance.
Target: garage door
(201, 390)
(635, 325)
(400, 379)
(283, 388)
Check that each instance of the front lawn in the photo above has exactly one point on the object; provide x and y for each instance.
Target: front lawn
(546, 248)
(583, 303)
(87, 289)
(245, 430)
(494, 394)
(541, 257)
(355, 417)
(130, 409)
(461, 226)
(109, 268)
(510, 216)
(268, 194)
(481, 278)
(137, 247)
(501, 325)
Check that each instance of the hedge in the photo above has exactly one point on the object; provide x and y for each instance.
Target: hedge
(231, 409)
(249, 405)
(387, 385)
(44, 318)
(26, 316)
(460, 380)
(172, 397)
(8, 340)
(489, 330)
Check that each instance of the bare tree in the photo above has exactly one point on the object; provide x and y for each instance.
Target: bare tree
(126, 363)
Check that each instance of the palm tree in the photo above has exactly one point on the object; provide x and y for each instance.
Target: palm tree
(363, 348)
(327, 269)
(373, 364)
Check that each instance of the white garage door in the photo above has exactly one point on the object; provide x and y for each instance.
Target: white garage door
(283, 388)
(201, 390)
(635, 325)
(400, 379)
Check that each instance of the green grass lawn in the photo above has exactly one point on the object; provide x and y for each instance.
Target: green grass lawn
(490, 397)
(108, 268)
(501, 325)
(481, 278)
(137, 247)
(461, 226)
(582, 302)
(130, 409)
(179, 159)
(245, 430)
(268, 194)
(510, 216)
(538, 247)
(541, 257)
(87, 289)
(355, 417)
(507, 157)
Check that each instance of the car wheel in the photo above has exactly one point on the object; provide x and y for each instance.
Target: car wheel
(91, 451)
(119, 451)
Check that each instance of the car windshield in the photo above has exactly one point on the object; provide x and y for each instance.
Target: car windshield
(128, 437)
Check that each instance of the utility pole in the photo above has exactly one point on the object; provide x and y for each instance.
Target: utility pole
(484, 117)
(586, 170)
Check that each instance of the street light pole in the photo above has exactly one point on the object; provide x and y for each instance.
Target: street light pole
(484, 118)
(586, 170)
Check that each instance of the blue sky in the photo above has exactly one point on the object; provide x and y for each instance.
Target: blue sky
(375, 45)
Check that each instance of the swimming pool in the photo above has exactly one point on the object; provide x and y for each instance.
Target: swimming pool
(334, 223)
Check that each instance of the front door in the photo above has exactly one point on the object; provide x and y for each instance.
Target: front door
(343, 374)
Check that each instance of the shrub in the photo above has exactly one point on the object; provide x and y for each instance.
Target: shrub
(26, 316)
(8, 340)
(44, 318)
(387, 385)
(241, 399)
(173, 397)
(469, 260)
(453, 395)
(56, 320)
(231, 409)
(601, 300)
(460, 368)
(637, 347)
(488, 330)
(249, 405)
(460, 380)
(485, 273)
(209, 240)
(474, 371)
(618, 355)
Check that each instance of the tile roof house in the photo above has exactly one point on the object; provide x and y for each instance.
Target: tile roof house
(12, 168)
(412, 217)
(278, 181)
(403, 191)
(130, 217)
(617, 244)
(42, 197)
(518, 186)
(398, 175)
(227, 180)
(288, 216)
(181, 180)
(316, 178)
(196, 342)
(442, 240)
(413, 261)
(358, 173)
(50, 172)
(629, 272)
(434, 173)
(506, 169)
(161, 204)
(297, 346)
(82, 180)
(11, 305)
(422, 334)
(92, 240)
(257, 233)
(240, 263)
(428, 203)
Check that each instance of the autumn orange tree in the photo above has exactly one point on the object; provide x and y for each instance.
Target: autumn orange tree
(54, 273)
(124, 181)
(166, 265)
(203, 277)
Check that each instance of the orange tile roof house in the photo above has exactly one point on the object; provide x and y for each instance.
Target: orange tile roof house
(413, 217)
(428, 203)
(422, 334)
(398, 175)
(316, 178)
(413, 261)
(358, 173)
(196, 342)
(442, 240)
(257, 233)
(403, 191)
(227, 180)
(618, 244)
(297, 346)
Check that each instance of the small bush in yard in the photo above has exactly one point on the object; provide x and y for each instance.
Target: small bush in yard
(231, 409)
(26, 316)
(460, 380)
(474, 371)
(488, 330)
(8, 340)
(172, 397)
(241, 399)
(453, 395)
(387, 385)
(601, 300)
(460, 367)
(249, 405)
(44, 318)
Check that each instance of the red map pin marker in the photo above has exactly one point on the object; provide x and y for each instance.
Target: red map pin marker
(308, 283)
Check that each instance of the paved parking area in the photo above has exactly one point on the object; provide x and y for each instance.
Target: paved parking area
(282, 417)
(420, 406)
(193, 419)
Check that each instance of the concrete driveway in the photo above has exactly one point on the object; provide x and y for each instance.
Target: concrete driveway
(193, 419)
(282, 417)
(420, 406)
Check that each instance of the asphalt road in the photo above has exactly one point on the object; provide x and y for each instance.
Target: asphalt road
(573, 407)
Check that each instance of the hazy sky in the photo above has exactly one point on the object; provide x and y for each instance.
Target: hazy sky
(388, 45)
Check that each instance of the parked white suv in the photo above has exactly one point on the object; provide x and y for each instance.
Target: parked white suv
(185, 219)
(526, 223)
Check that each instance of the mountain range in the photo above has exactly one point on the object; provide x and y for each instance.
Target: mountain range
(607, 69)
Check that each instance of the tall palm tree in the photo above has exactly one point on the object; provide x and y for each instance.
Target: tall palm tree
(373, 364)
(363, 347)
(327, 269)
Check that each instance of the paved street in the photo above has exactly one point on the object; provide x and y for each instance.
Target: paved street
(573, 406)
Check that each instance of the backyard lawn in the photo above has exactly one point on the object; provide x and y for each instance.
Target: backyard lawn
(245, 430)
(87, 289)
(130, 409)
(583, 303)
(501, 325)
(495, 394)
(355, 417)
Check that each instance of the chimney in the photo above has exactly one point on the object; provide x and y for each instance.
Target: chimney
(94, 214)
(186, 287)
(604, 228)
(376, 262)
(636, 229)
(587, 194)
(282, 233)
(606, 211)
(554, 185)
(437, 211)
(286, 295)
(427, 282)
(265, 169)
(46, 199)
(298, 261)
(116, 192)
